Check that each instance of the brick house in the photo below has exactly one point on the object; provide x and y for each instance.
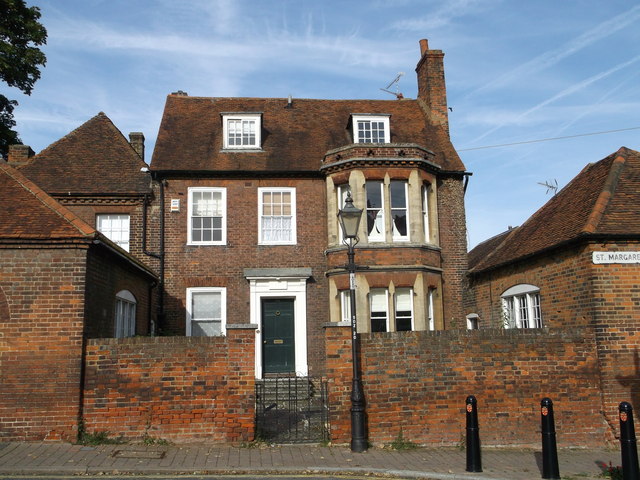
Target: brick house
(573, 265)
(100, 176)
(51, 264)
(251, 189)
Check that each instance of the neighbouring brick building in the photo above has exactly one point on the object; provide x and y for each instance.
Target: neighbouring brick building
(574, 265)
(101, 177)
(60, 281)
(251, 190)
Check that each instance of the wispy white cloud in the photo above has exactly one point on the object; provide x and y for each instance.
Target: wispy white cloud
(552, 57)
(441, 17)
(564, 93)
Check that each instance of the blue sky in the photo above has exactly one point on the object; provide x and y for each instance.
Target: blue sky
(516, 71)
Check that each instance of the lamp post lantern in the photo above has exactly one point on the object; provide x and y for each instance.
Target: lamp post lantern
(349, 218)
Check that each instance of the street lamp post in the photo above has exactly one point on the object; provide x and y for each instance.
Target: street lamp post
(349, 218)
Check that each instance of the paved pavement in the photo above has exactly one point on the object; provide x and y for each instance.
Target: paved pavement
(21, 458)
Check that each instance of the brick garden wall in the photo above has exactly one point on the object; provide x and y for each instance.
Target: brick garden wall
(41, 321)
(417, 382)
(174, 388)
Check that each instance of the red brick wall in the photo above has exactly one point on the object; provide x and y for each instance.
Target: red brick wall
(565, 289)
(223, 266)
(41, 342)
(615, 290)
(418, 382)
(576, 293)
(87, 208)
(175, 388)
(453, 240)
(106, 276)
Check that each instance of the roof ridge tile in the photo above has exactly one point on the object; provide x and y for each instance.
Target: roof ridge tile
(608, 189)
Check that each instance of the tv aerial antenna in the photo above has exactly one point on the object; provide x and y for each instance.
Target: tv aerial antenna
(395, 81)
(552, 186)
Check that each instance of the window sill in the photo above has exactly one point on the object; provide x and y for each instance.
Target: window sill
(206, 244)
(276, 244)
(241, 149)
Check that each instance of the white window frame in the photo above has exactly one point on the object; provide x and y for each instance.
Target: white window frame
(409, 292)
(431, 317)
(473, 321)
(380, 216)
(223, 307)
(521, 307)
(280, 287)
(261, 239)
(397, 237)
(121, 236)
(360, 119)
(374, 292)
(125, 315)
(425, 212)
(254, 119)
(345, 306)
(223, 200)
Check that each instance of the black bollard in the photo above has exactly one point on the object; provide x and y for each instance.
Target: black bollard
(628, 443)
(550, 467)
(474, 462)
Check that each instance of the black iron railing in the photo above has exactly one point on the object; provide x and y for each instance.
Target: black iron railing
(292, 409)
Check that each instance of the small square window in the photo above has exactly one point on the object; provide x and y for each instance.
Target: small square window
(241, 131)
(115, 227)
(206, 311)
(371, 129)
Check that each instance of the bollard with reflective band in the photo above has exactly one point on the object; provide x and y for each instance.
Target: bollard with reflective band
(550, 467)
(628, 447)
(474, 462)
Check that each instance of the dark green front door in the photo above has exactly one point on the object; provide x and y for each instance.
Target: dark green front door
(277, 336)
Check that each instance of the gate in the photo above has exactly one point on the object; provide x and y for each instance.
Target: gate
(292, 409)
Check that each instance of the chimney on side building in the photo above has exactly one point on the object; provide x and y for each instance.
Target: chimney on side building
(19, 154)
(431, 85)
(136, 139)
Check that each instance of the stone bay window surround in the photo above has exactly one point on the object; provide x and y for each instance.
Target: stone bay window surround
(396, 186)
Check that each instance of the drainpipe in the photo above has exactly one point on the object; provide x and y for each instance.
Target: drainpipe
(159, 255)
(466, 180)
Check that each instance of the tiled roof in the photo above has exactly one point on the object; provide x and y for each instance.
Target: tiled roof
(603, 199)
(294, 138)
(28, 213)
(95, 158)
(486, 248)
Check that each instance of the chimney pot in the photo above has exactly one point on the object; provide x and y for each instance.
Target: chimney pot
(424, 46)
(136, 140)
(19, 154)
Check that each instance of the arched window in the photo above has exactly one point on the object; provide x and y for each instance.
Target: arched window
(125, 321)
(521, 307)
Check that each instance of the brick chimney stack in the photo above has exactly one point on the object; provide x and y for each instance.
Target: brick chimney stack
(19, 154)
(136, 139)
(431, 85)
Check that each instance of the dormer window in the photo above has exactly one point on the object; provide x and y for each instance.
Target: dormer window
(371, 128)
(241, 131)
